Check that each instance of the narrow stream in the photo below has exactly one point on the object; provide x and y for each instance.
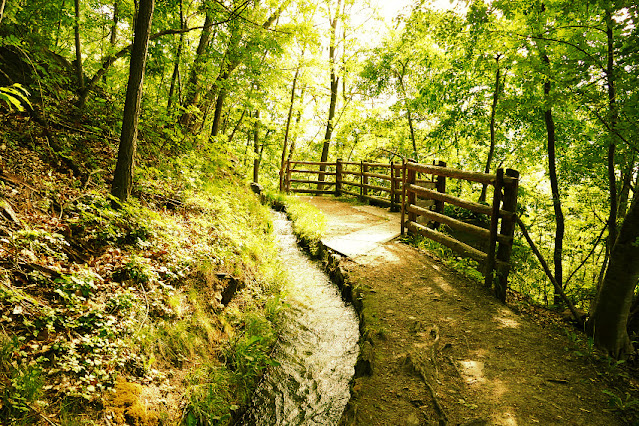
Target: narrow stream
(317, 349)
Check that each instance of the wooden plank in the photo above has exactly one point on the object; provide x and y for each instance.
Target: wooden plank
(488, 179)
(468, 205)
(311, 182)
(383, 165)
(447, 241)
(378, 176)
(311, 171)
(379, 188)
(352, 183)
(453, 244)
(312, 191)
(456, 224)
(377, 199)
(346, 172)
(314, 163)
(355, 194)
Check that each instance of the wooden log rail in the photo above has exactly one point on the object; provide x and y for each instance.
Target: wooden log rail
(419, 191)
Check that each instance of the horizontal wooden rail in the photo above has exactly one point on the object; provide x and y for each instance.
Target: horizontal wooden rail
(312, 182)
(452, 243)
(313, 171)
(346, 172)
(378, 176)
(312, 191)
(456, 224)
(313, 163)
(354, 194)
(379, 188)
(488, 179)
(381, 165)
(451, 199)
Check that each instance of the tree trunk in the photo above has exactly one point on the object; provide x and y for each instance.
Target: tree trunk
(114, 24)
(192, 95)
(176, 67)
(334, 86)
(256, 147)
(2, 4)
(78, 50)
(609, 316)
(288, 127)
(409, 114)
(554, 184)
(493, 111)
(123, 174)
(237, 126)
(614, 117)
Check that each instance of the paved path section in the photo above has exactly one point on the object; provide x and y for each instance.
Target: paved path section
(354, 230)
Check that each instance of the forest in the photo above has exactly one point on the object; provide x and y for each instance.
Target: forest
(130, 130)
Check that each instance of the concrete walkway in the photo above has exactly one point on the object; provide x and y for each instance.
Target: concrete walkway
(354, 230)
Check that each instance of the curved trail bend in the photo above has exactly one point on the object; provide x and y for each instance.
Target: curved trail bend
(430, 331)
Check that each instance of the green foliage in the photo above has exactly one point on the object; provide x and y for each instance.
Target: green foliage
(22, 385)
(15, 97)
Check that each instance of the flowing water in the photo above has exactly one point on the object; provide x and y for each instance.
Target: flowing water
(317, 349)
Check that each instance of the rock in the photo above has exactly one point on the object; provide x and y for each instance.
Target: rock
(256, 188)
(413, 420)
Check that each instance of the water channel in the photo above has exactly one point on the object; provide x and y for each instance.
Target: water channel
(317, 349)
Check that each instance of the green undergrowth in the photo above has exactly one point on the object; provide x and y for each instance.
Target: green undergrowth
(467, 267)
(309, 223)
(101, 307)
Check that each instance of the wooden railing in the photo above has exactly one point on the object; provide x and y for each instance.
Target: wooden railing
(419, 191)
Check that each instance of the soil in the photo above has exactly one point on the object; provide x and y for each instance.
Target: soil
(438, 348)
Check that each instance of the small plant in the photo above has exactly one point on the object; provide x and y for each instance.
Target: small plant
(627, 405)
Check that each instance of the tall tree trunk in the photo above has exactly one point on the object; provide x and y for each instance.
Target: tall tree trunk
(237, 126)
(334, 83)
(192, 95)
(288, 127)
(114, 24)
(78, 50)
(228, 66)
(2, 4)
(614, 118)
(123, 174)
(409, 114)
(493, 111)
(609, 316)
(626, 185)
(554, 184)
(291, 151)
(176, 66)
(256, 147)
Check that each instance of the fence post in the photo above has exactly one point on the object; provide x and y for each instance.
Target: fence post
(338, 177)
(492, 241)
(440, 186)
(364, 179)
(403, 193)
(411, 177)
(508, 229)
(288, 176)
(393, 207)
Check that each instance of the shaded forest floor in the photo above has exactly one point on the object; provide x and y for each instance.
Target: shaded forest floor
(443, 349)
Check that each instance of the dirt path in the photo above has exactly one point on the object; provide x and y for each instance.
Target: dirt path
(442, 349)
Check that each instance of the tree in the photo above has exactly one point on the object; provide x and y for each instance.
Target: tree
(123, 174)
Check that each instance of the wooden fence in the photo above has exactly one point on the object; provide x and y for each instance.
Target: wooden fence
(419, 191)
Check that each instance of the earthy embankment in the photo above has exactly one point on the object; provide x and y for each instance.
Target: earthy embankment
(437, 348)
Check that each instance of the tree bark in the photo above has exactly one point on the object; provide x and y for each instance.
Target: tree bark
(409, 114)
(614, 117)
(114, 24)
(176, 67)
(123, 174)
(554, 185)
(334, 84)
(78, 49)
(2, 4)
(288, 127)
(256, 147)
(609, 316)
(192, 95)
(493, 111)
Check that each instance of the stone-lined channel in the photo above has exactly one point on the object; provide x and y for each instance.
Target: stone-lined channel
(317, 349)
